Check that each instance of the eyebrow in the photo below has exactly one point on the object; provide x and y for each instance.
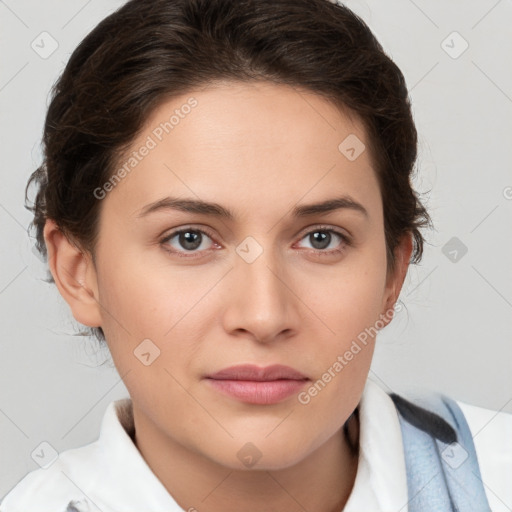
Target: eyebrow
(217, 210)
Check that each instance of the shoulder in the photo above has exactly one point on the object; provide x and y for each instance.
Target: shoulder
(65, 483)
(489, 430)
(87, 477)
(492, 435)
(50, 489)
(486, 424)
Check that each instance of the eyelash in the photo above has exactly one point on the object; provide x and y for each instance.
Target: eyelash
(346, 241)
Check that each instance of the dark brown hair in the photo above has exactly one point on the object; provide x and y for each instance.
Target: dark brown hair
(149, 51)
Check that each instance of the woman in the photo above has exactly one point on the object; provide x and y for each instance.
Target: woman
(226, 201)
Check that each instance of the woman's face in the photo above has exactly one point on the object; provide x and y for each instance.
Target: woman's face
(277, 282)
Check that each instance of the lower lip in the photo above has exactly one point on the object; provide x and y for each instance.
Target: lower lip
(254, 392)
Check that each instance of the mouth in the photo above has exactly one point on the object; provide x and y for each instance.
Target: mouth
(255, 385)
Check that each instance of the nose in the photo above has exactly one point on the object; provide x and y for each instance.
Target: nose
(261, 303)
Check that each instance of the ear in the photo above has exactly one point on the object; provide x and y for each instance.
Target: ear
(74, 275)
(395, 280)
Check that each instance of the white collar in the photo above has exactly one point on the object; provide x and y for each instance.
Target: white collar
(381, 480)
(129, 482)
(380, 484)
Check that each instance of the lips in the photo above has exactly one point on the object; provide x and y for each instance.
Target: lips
(255, 373)
(254, 385)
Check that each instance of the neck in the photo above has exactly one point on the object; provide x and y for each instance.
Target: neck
(322, 481)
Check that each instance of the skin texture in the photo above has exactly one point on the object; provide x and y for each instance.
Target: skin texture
(258, 149)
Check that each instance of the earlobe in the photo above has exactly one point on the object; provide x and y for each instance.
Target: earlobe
(74, 275)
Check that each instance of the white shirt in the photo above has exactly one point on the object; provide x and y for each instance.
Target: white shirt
(112, 475)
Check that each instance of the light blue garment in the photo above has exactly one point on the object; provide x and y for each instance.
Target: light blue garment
(443, 474)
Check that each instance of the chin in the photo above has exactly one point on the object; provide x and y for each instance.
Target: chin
(259, 456)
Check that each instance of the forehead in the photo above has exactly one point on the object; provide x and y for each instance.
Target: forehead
(237, 142)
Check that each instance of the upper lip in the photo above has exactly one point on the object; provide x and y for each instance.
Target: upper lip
(257, 373)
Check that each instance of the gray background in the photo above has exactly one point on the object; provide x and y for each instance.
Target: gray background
(454, 335)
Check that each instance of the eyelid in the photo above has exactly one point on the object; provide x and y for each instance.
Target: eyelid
(326, 227)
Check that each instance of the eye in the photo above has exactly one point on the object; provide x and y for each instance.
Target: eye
(194, 240)
(186, 240)
(322, 237)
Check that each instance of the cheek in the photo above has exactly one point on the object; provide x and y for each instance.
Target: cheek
(157, 303)
(146, 317)
(350, 312)
(343, 357)
(146, 299)
(351, 304)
